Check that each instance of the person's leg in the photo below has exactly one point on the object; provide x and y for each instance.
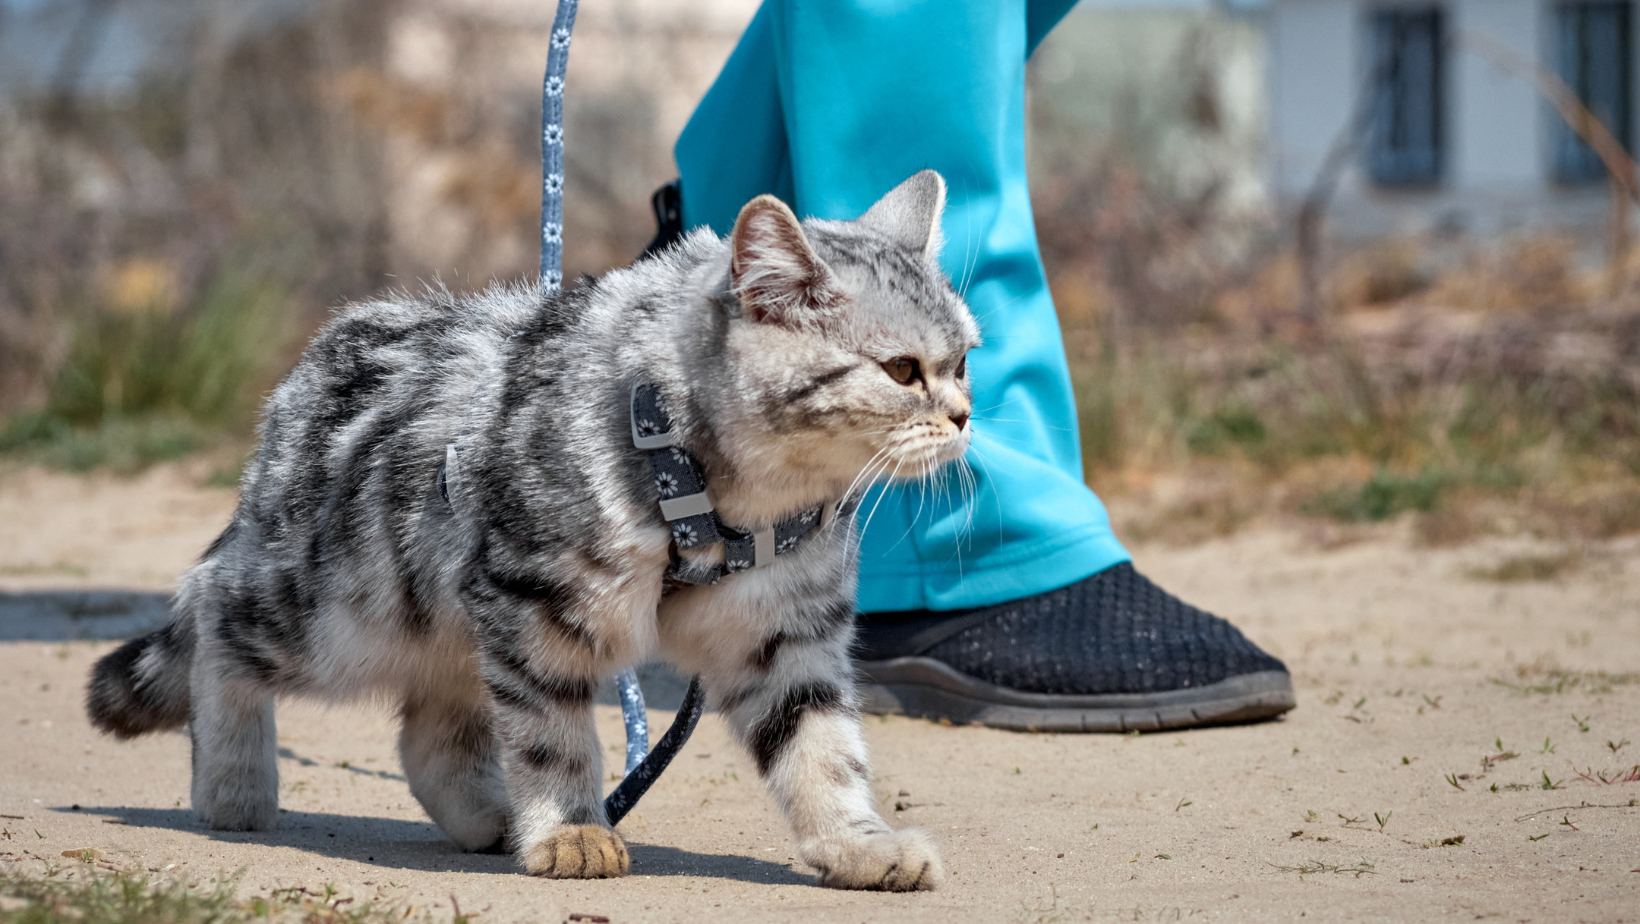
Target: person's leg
(1016, 605)
(830, 105)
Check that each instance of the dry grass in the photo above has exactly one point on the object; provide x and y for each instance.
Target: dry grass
(1493, 392)
(90, 891)
(1529, 567)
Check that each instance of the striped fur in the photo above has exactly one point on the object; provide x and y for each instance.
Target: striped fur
(491, 618)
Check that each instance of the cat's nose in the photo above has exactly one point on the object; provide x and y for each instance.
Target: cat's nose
(959, 419)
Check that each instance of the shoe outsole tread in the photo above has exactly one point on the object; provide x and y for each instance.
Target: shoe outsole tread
(923, 687)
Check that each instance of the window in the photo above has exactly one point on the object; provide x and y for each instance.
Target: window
(1404, 143)
(1592, 56)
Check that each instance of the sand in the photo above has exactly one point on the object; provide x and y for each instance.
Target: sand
(1411, 669)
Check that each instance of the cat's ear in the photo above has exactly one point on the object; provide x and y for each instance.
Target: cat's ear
(773, 270)
(910, 213)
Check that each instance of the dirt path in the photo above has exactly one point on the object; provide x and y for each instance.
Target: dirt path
(1410, 671)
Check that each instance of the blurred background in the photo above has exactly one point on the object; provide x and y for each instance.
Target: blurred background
(1327, 259)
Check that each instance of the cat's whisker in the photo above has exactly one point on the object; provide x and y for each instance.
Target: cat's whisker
(879, 503)
(970, 486)
(976, 412)
(1044, 425)
(979, 457)
(861, 477)
(969, 243)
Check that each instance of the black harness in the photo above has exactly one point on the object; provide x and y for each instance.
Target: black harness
(687, 507)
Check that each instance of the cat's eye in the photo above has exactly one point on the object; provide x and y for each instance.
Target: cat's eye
(903, 369)
(962, 366)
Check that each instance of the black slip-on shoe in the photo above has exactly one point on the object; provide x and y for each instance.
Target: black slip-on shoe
(1111, 653)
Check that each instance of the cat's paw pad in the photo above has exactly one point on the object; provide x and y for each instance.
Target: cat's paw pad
(891, 861)
(578, 852)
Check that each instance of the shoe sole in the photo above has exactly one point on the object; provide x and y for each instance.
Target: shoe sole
(925, 688)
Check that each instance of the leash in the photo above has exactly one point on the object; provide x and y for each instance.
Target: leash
(643, 766)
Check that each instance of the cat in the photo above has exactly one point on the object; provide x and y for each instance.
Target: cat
(448, 509)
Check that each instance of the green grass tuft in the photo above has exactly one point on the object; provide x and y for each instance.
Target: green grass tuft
(1381, 497)
(82, 893)
(142, 386)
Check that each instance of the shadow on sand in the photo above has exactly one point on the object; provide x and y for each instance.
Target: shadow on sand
(418, 845)
(65, 615)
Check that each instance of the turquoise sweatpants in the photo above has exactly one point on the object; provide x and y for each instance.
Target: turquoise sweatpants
(828, 104)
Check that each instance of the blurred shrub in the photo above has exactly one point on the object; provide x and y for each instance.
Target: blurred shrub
(1382, 496)
(144, 382)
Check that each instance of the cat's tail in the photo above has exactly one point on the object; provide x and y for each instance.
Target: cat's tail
(142, 686)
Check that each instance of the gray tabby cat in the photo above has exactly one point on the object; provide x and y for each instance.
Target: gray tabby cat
(797, 362)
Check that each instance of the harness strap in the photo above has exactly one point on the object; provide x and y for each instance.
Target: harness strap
(686, 505)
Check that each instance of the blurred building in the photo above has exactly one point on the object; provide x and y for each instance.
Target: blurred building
(1429, 110)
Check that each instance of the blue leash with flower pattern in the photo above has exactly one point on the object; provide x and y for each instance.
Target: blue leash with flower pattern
(642, 765)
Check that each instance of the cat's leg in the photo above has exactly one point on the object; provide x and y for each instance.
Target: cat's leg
(449, 754)
(235, 763)
(790, 698)
(550, 760)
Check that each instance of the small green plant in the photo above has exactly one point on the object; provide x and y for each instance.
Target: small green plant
(1382, 496)
(1548, 784)
(1213, 435)
(1548, 747)
(1452, 778)
(1615, 746)
(1491, 760)
(1536, 838)
(1361, 868)
(1182, 804)
(1583, 723)
(1382, 820)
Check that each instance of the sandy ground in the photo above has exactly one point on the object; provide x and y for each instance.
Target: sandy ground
(1411, 671)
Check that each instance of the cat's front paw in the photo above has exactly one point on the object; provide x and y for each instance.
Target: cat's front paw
(892, 861)
(578, 852)
(242, 814)
(249, 804)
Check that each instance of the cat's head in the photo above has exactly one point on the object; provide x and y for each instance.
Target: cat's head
(850, 349)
